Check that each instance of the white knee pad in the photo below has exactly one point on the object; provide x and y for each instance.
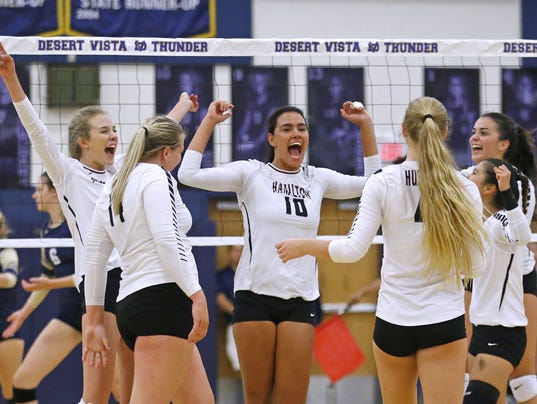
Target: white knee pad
(524, 388)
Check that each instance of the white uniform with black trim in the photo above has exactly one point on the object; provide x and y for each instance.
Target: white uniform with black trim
(276, 205)
(498, 295)
(407, 296)
(150, 235)
(528, 261)
(77, 185)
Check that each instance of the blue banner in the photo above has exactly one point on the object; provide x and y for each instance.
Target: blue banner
(31, 17)
(109, 18)
(141, 18)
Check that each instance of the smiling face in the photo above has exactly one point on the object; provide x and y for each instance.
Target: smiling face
(484, 177)
(478, 177)
(485, 141)
(290, 141)
(99, 149)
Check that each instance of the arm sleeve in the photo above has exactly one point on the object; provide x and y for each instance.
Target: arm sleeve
(508, 198)
(40, 138)
(228, 177)
(516, 231)
(479, 262)
(172, 247)
(341, 186)
(98, 249)
(371, 165)
(364, 227)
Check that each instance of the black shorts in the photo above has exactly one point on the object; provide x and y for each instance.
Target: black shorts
(249, 306)
(508, 343)
(113, 277)
(530, 283)
(399, 340)
(72, 317)
(156, 310)
(70, 308)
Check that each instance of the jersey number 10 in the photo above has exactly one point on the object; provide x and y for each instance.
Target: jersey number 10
(299, 207)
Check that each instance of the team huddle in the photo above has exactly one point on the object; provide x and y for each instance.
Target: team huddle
(457, 298)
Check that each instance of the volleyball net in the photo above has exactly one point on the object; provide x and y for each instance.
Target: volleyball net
(135, 78)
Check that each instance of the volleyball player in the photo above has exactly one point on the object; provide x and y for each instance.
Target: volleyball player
(11, 347)
(63, 333)
(275, 304)
(433, 236)
(496, 135)
(79, 180)
(497, 308)
(161, 309)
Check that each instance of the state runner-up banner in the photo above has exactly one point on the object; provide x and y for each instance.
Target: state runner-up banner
(110, 18)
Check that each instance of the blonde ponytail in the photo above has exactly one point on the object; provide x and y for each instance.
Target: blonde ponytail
(451, 227)
(155, 134)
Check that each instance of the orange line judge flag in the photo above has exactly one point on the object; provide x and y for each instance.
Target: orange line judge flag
(335, 349)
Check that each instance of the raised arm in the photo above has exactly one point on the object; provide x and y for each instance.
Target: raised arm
(43, 144)
(218, 112)
(227, 177)
(9, 74)
(186, 103)
(360, 117)
(517, 231)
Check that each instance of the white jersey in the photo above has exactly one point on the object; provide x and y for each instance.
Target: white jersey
(528, 261)
(77, 185)
(149, 233)
(276, 205)
(408, 296)
(498, 295)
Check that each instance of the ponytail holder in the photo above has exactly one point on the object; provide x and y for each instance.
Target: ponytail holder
(427, 116)
(146, 132)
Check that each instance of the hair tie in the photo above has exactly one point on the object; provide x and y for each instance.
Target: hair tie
(146, 132)
(427, 116)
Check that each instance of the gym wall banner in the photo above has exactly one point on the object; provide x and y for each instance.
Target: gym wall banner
(109, 18)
